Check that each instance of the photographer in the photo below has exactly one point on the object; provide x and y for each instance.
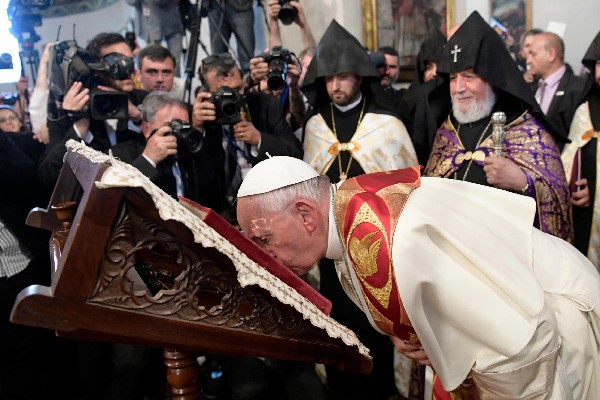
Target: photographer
(278, 73)
(261, 127)
(292, 12)
(100, 134)
(166, 157)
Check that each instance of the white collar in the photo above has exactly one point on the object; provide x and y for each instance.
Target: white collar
(335, 247)
(351, 105)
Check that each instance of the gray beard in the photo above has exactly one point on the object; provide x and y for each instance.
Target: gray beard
(478, 111)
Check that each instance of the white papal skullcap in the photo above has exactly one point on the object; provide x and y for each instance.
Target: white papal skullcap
(275, 173)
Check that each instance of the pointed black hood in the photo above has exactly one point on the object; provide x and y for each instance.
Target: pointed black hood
(430, 50)
(338, 52)
(591, 91)
(477, 45)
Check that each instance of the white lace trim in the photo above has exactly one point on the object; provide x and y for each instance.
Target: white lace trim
(249, 272)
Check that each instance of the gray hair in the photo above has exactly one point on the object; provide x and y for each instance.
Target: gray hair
(155, 101)
(316, 189)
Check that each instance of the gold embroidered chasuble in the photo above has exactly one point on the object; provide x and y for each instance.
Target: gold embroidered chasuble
(380, 143)
(367, 209)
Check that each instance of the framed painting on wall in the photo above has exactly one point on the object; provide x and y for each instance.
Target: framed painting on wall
(404, 24)
(511, 19)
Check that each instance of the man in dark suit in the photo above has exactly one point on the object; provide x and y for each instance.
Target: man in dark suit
(231, 149)
(558, 90)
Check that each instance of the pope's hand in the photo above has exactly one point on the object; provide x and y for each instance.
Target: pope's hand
(412, 351)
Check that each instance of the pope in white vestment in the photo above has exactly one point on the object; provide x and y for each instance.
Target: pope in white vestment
(488, 295)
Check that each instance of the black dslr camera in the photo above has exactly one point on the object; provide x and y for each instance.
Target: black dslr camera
(78, 65)
(189, 140)
(227, 105)
(287, 13)
(278, 59)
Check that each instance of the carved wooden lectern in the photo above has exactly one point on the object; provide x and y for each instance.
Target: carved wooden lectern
(132, 265)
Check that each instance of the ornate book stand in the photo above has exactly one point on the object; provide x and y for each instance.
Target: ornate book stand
(132, 265)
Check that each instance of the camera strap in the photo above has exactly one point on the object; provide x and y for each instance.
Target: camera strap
(233, 144)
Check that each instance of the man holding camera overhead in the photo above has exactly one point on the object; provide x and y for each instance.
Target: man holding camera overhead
(240, 129)
(103, 111)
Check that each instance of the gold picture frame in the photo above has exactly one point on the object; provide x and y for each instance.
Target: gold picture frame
(378, 18)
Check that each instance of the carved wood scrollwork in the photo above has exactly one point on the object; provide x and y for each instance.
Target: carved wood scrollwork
(188, 282)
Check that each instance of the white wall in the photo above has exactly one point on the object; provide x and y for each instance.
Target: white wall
(580, 16)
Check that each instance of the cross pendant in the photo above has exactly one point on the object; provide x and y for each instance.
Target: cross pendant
(455, 52)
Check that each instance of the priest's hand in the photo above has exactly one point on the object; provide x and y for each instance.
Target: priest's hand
(246, 132)
(412, 351)
(581, 197)
(203, 110)
(503, 173)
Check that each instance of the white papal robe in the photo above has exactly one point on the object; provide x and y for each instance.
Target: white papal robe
(489, 295)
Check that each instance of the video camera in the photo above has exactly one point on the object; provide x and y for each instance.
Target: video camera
(287, 13)
(278, 59)
(189, 140)
(76, 65)
(227, 105)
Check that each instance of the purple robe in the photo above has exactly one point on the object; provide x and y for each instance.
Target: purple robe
(529, 145)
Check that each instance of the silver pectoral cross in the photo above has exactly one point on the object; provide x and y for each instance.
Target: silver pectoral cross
(455, 52)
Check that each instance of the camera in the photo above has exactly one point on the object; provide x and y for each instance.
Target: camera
(6, 61)
(75, 64)
(227, 105)
(278, 59)
(189, 140)
(287, 13)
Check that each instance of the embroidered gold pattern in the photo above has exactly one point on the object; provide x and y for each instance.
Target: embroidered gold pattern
(366, 215)
(364, 251)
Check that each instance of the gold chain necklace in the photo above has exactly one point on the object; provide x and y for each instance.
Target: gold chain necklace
(474, 150)
(344, 175)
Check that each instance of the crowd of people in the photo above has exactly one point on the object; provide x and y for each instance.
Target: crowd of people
(332, 108)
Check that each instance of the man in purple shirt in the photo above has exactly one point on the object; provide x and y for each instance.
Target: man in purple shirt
(558, 90)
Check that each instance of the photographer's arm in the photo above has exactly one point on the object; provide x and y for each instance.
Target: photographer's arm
(308, 40)
(297, 106)
(274, 31)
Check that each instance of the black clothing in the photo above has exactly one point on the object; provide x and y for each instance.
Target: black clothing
(277, 139)
(565, 102)
(52, 160)
(338, 52)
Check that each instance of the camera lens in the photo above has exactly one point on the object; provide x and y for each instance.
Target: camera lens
(277, 74)
(229, 108)
(287, 14)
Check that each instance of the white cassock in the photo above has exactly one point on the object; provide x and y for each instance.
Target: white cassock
(491, 296)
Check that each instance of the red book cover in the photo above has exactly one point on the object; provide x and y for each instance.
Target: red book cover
(256, 254)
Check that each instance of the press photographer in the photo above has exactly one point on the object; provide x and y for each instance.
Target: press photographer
(261, 128)
(277, 73)
(169, 155)
(108, 64)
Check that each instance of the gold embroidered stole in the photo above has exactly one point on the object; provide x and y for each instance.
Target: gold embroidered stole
(367, 209)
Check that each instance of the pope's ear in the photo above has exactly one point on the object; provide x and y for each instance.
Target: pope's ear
(307, 211)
